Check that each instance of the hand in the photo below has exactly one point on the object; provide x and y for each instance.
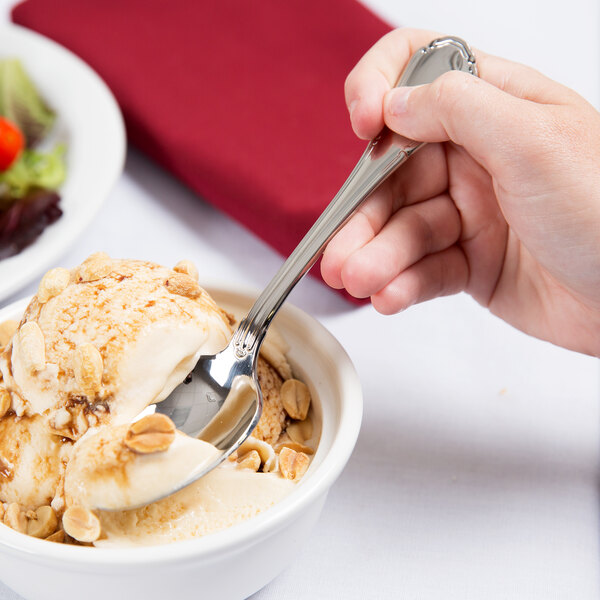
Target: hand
(503, 202)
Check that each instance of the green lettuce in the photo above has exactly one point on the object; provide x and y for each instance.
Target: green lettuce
(21, 103)
(32, 170)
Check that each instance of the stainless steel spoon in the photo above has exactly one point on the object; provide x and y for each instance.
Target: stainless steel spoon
(221, 401)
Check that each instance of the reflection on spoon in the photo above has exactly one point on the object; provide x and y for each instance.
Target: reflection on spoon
(239, 403)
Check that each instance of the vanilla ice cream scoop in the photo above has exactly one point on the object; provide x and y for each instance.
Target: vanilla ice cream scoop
(100, 342)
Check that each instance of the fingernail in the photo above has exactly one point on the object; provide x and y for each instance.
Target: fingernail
(398, 100)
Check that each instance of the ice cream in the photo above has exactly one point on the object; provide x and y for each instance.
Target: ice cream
(227, 495)
(97, 345)
(222, 498)
(119, 335)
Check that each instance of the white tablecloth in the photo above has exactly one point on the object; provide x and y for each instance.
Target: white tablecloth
(476, 471)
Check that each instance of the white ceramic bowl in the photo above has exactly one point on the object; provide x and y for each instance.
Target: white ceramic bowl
(232, 564)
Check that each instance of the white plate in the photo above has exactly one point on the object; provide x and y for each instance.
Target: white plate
(90, 123)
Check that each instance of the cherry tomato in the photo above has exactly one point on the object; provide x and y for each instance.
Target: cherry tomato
(12, 143)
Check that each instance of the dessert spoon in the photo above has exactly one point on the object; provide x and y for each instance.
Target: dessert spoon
(221, 401)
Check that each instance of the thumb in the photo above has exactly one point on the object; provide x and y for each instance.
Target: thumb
(488, 122)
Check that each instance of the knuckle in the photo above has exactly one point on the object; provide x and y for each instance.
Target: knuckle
(407, 34)
(420, 237)
(568, 131)
(450, 88)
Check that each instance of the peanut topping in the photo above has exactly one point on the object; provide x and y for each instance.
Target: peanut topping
(62, 417)
(94, 267)
(57, 536)
(92, 419)
(32, 347)
(276, 358)
(297, 447)
(187, 267)
(52, 284)
(5, 401)
(250, 460)
(295, 398)
(153, 433)
(7, 330)
(87, 368)
(184, 285)
(300, 431)
(15, 518)
(81, 524)
(268, 459)
(293, 464)
(81, 423)
(43, 523)
(97, 257)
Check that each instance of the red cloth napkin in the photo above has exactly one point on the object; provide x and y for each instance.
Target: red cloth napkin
(240, 99)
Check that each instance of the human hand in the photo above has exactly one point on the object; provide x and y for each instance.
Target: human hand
(503, 202)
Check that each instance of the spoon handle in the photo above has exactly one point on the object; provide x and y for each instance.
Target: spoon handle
(382, 156)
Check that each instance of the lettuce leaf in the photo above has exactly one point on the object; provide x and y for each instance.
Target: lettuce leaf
(33, 170)
(21, 103)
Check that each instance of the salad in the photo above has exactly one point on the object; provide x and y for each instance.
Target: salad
(29, 175)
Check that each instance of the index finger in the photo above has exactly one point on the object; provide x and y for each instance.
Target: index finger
(376, 73)
(379, 70)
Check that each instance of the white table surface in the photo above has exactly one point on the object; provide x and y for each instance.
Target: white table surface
(476, 471)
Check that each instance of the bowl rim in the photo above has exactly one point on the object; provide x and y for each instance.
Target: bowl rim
(241, 535)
